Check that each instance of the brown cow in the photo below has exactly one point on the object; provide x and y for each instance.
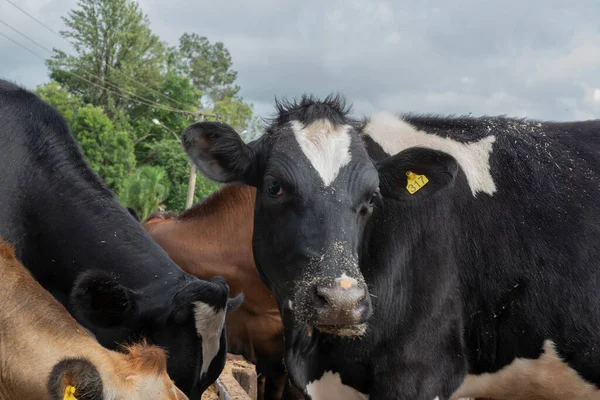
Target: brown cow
(44, 352)
(215, 238)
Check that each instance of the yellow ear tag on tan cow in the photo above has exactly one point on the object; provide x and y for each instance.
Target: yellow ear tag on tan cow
(70, 393)
(415, 182)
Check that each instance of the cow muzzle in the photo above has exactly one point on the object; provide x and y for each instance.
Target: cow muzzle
(343, 308)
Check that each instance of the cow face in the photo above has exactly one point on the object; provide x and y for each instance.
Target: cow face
(189, 324)
(316, 189)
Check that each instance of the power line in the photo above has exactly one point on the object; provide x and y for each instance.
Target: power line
(143, 99)
(150, 104)
(34, 18)
(109, 66)
(37, 55)
(19, 44)
(22, 34)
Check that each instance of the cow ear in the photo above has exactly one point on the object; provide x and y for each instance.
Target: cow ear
(100, 299)
(218, 152)
(416, 173)
(74, 378)
(199, 298)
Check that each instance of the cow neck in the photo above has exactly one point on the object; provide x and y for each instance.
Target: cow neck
(220, 230)
(414, 266)
(78, 224)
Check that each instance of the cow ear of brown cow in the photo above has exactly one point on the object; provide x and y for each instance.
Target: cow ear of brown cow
(218, 152)
(100, 299)
(416, 173)
(74, 378)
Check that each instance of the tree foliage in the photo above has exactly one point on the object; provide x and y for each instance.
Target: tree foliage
(66, 103)
(114, 48)
(208, 65)
(169, 154)
(109, 152)
(145, 189)
(128, 96)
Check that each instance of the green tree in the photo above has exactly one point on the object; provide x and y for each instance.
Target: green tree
(145, 190)
(208, 65)
(169, 154)
(210, 68)
(239, 115)
(127, 79)
(109, 152)
(175, 86)
(66, 103)
(113, 43)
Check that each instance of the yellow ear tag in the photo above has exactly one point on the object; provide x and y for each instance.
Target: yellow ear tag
(69, 393)
(415, 182)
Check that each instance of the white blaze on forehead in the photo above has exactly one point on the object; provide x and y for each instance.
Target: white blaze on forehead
(330, 387)
(326, 146)
(209, 325)
(395, 135)
(346, 282)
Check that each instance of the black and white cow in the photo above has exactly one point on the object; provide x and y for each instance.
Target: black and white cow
(407, 253)
(85, 248)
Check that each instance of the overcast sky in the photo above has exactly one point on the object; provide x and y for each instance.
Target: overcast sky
(533, 58)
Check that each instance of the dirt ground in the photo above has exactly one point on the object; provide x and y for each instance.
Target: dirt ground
(233, 361)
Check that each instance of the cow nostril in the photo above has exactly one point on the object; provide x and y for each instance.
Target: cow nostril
(321, 295)
(339, 296)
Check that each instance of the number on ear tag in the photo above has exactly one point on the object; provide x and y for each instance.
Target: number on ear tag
(415, 182)
(70, 393)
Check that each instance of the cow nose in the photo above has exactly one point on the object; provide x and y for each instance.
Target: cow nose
(339, 297)
(342, 305)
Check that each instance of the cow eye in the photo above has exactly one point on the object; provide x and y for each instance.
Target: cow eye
(375, 197)
(274, 188)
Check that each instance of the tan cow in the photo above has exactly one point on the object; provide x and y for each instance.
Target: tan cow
(46, 354)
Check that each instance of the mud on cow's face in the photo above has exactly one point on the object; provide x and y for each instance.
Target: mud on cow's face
(317, 188)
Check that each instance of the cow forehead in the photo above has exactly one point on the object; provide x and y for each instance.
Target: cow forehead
(325, 145)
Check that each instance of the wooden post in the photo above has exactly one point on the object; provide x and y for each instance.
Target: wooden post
(191, 187)
(192, 181)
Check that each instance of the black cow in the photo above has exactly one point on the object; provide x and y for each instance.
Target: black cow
(408, 252)
(85, 248)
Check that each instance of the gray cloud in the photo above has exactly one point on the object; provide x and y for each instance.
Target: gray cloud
(535, 58)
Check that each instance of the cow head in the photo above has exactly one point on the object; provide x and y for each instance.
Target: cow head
(316, 189)
(139, 371)
(188, 323)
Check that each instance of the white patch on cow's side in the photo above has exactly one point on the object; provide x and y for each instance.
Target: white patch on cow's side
(346, 282)
(209, 325)
(326, 146)
(395, 135)
(330, 387)
(547, 377)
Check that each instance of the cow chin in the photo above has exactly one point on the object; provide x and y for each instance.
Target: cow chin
(350, 331)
